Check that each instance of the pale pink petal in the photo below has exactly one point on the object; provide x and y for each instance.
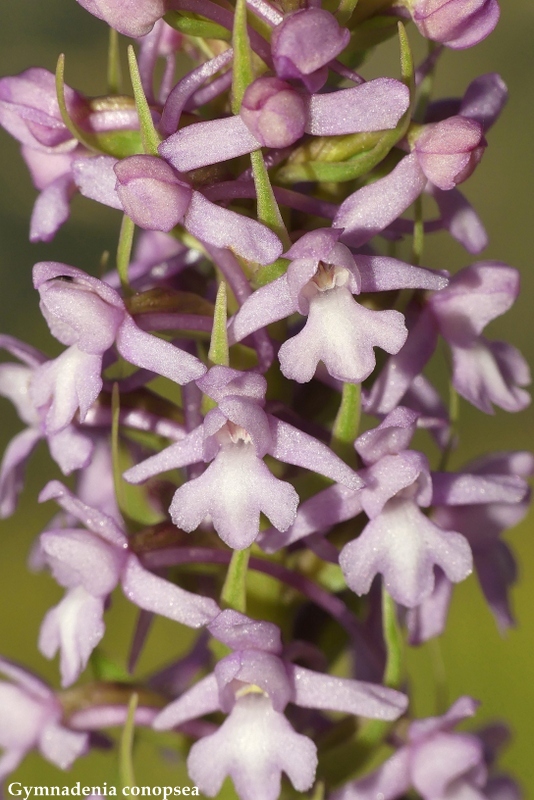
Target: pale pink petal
(155, 594)
(315, 690)
(254, 745)
(74, 627)
(403, 545)
(233, 490)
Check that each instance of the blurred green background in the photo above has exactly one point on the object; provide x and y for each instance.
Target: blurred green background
(477, 661)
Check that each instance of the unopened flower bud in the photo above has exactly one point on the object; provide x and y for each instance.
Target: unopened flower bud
(448, 151)
(304, 43)
(456, 23)
(127, 16)
(274, 112)
(151, 193)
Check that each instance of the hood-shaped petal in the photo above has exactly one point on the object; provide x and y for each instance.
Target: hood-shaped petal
(151, 193)
(240, 632)
(78, 308)
(442, 760)
(253, 668)
(390, 437)
(127, 16)
(220, 382)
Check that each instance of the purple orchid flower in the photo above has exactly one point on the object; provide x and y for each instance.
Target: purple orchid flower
(319, 282)
(253, 685)
(29, 111)
(484, 372)
(455, 23)
(447, 152)
(399, 541)
(237, 485)
(89, 317)
(274, 114)
(89, 564)
(69, 448)
(156, 198)
(32, 718)
(481, 521)
(436, 761)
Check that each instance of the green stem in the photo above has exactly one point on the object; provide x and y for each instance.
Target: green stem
(234, 592)
(124, 251)
(393, 640)
(114, 63)
(347, 423)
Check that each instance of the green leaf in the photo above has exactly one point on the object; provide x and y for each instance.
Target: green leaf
(271, 272)
(268, 211)
(149, 135)
(393, 640)
(347, 423)
(242, 66)
(124, 251)
(234, 592)
(195, 25)
(126, 768)
(218, 352)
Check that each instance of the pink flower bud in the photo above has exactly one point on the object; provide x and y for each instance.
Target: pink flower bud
(456, 23)
(448, 151)
(274, 112)
(151, 193)
(304, 43)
